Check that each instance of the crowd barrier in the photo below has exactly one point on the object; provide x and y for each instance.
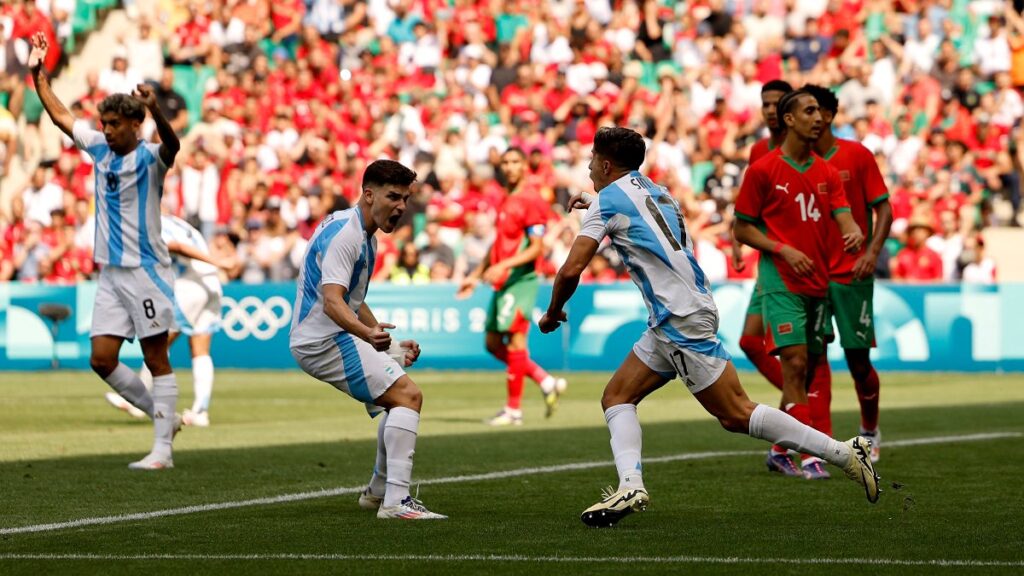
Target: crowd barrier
(924, 328)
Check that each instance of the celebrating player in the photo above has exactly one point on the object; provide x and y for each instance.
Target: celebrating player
(336, 338)
(779, 212)
(646, 227)
(197, 291)
(510, 267)
(752, 338)
(134, 296)
(851, 287)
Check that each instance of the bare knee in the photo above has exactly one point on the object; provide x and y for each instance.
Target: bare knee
(796, 364)
(495, 344)
(404, 393)
(615, 397)
(860, 368)
(737, 417)
(103, 365)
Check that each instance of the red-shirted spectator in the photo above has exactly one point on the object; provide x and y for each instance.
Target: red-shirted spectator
(915, 262)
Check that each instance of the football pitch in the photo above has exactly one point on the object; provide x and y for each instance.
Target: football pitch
(271, 486)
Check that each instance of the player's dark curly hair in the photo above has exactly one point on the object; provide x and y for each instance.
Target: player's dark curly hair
(787, 102)
(777, 86)
(123, 105)
(387, 172)
(515, 150)
(826, 98)
(622, 146)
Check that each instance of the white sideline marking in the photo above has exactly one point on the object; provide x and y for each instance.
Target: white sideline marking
(517, 558)
(327, 493)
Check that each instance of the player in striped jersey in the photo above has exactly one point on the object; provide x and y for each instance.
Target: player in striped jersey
(851, 286)
(134, 297)
(197, 291)
(336, 338)
(646, 227)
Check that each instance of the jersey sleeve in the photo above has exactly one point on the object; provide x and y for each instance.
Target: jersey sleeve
(593, 225)
(154, 149)
(750, 201)
(836, 193)
(339, 260)
(875, 190)
(86, 138)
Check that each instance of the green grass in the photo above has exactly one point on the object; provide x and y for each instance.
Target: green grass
(63, 456)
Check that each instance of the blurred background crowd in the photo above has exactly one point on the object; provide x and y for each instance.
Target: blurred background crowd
(281, 104)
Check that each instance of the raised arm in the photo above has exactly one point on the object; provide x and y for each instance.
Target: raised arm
(169, 143)
(59, 113)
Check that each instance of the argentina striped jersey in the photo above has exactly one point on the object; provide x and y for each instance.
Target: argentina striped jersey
(646, 228)
(128, 193)
(338, 253)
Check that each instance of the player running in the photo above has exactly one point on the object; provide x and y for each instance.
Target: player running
(779, 212)
(510, 267)
(198, 292)
(336, 338)
(851, 287)
(134, 296)
(752, 338)
(646, 228)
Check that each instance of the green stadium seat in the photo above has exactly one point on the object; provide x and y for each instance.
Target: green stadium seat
(84, 18)
(699, 175)
(190, 82)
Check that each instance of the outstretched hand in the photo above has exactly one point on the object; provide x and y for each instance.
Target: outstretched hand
(40, 47)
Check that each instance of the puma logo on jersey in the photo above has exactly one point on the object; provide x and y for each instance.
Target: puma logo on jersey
(863, 335)
(783, 188)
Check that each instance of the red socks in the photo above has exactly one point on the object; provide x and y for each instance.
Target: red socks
(819, 397)
(867, 394)
(766, 364)
(533, 370)
(517, 360)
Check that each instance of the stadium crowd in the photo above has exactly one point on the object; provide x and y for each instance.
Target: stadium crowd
(291, 99)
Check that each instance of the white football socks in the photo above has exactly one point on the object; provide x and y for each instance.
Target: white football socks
(202, 382)
(378, 481)
(777, 427)
(626, 443)
(131, 388)
(400, 445)
(165, 400)
(146, 376)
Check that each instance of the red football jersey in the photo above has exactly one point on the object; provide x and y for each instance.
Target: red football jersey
(521, 215)
(760, 149)
(794, 204)
(864, 187)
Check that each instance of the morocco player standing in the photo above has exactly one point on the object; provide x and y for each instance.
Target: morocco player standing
(851, 287)
(780, 212)
(510, 267)
(752, 339)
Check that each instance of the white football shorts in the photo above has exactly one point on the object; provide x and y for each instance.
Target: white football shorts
(134, 302)
(687, 347)
(199, 302)
(351, 365)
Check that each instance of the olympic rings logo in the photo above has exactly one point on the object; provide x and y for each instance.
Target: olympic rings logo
(251, 316)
